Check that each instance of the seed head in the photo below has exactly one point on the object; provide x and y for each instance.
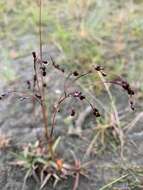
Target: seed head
(28, 84)
(99, 68)
(75, 73)
(96, 112)
(72, 112)
(44, 85)
(45, 62)
(44, 73)
(82, 97)
(34, 54)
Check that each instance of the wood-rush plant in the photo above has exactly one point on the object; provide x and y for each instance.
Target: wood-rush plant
(40, 159)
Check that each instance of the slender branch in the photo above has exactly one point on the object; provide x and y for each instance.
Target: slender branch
(40, 27)
(25, 94)
(110, 97)
(56, 108)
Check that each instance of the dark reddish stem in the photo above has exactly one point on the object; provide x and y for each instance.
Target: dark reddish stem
(56, 109)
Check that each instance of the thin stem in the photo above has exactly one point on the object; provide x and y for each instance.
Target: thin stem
(118, 130)
(25, 94)
(110, 97)
(73, 81)
(63, 98)
(60, 101)
(41, 92)
(41, 89)
(40, 27)
(82, 75)
(65, 83)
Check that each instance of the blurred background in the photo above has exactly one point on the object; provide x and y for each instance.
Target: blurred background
(79, 33)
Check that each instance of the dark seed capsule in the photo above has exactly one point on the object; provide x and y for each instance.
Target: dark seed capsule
(44, 85)
(72, 112)
(34, 54)
(99, 68)
(45, 62)
(131, 92)
(35, 78)
(82, 97)
(132, 105)
(28, 84)
(125, 85)
(44, 73)
(62, 70)
(38, 96)
(57, 66)
(75, 73)
(103, 74)
(96, 112)
(3, 95)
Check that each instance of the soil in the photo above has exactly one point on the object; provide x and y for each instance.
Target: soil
(17, 123)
